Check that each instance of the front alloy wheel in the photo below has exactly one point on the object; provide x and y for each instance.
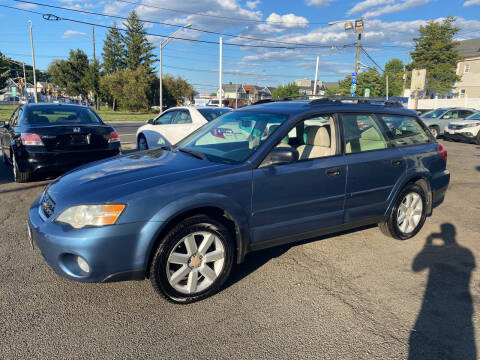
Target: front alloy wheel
(434, 131)
(193, 261)
(409, 212)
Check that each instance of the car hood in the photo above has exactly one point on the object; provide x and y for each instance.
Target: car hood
(465, 122)
(113, 179)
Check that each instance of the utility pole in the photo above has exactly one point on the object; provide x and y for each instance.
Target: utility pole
(316, 76)
(33, 63)
(405, 71)
(236, 92)
(357, 56)
(220, 73)
(386, 79)
(93, 39)
(24, 80)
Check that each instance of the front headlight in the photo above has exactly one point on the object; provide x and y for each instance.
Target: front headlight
(91, 215)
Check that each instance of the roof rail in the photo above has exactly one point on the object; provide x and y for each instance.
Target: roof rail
(356, 100)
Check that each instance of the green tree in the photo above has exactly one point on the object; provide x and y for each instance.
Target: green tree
(290, 89)
(177, 90)
(92, 81)
(370, 79)
(138, 48)
(72, 75)
(394, 69)
(435, 51)
(113, 52)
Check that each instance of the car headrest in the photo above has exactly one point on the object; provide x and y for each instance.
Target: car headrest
(317, 136)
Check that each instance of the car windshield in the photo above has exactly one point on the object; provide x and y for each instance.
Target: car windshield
(234, 137)
(61, 115)
(475, 116)
(212, 114)
(433, 114)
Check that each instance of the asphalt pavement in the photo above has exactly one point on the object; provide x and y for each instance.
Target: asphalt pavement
(127, 132)
(355, 295)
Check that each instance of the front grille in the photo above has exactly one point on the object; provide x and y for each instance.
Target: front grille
(455, 127)
(48, 205)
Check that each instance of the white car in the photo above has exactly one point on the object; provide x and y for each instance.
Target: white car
(466, 130)
(174, 124)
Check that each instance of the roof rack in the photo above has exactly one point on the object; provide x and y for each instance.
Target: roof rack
(355, 100)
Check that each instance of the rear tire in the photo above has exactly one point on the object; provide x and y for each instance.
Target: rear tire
(435, 131)
(193, 261)
(477, 140)
(142, 144)
(4, 156)
(20, 176)
(408, 214)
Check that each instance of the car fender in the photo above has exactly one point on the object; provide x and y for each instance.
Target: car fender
(201, 200)
(153, 136)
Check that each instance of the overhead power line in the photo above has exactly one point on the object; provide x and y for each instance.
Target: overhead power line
(368, 55)
(163, 23)
(237, 19)
(58, 18)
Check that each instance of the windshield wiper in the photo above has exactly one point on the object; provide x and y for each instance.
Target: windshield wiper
(193, 153)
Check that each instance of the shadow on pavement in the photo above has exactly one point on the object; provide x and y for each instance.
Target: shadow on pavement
(6, 173)
(257, 259)
(444, 327)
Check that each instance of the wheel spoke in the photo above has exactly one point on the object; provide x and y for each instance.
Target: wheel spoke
(417, 212)
(206, 242)
(214, 256)
(177, 258)
(401, 217)
(404, 225)
(179, 275)
(416, 199)
(209, 274)
(192, 281)
(190, 244)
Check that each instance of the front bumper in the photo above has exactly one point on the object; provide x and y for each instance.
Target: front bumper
(117, 252)
(58, 162)
(460, 135)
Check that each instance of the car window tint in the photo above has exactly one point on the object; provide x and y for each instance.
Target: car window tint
(362, 133)
(183, 117)
(165, 118)
(404, 130)
(465, 113)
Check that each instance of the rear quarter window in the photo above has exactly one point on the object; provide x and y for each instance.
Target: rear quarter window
(404, 130)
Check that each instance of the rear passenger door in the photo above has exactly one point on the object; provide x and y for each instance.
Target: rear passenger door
(182, 125)
(374, 167)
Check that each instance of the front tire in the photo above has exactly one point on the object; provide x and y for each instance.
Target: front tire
(193, 261)
(142, 144)
(19, 176)
(408, 214)
(477, 140)
(435, 131)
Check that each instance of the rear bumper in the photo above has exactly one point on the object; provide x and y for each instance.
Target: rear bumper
(439, 185)
(62, 161)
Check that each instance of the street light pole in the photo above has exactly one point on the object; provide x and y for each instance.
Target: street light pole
(160, 75)
(33, 63)
(357, 56)
(316, 77)
(220, 73)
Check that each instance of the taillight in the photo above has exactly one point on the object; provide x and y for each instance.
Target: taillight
(31, 139)
(113, 137)
(442, 151)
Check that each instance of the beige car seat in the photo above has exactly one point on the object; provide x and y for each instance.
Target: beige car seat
(317, 143)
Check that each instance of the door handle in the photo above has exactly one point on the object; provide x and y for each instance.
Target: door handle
(396, 162)
(333, 172)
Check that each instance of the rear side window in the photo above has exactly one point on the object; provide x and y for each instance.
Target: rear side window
(404, 130)
(183, 117)
(362, 133)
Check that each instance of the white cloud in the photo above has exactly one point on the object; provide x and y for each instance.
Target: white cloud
(70, 33)
(396, 7)
(252, 4)
(367, 4)
(115, 7)
(318, 3)
(288, 21)
(26, 6)
(471, 2)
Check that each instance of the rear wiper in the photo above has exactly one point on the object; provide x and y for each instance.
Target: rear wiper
(193, 153)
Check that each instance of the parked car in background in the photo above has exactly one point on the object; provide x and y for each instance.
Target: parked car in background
(465, 130)
(50, 139)
(183, 216)
(174, 124)
(437, 120)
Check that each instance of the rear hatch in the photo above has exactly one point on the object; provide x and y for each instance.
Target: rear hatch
(74, 138)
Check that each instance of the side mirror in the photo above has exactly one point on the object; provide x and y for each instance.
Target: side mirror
(150, 121)
(278, 156)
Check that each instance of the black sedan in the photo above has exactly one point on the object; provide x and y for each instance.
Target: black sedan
(49, 139)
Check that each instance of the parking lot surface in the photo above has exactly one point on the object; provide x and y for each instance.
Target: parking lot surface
(127, 132)
(355, 295)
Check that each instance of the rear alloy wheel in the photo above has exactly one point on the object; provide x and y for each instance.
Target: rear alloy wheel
(435, 131)
(19, 176)
(408, 214)
(142, 143)
(193, 261)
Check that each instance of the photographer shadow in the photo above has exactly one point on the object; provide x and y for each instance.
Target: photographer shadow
(444, 327)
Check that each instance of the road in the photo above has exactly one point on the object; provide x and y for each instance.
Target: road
(127, 132)
(357, 295)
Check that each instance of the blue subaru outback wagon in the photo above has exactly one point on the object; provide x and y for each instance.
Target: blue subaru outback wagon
(257, 177)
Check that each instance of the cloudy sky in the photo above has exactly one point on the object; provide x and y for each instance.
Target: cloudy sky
(266, 42)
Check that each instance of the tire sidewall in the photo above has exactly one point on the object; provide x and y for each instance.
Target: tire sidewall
(393, 218)
(434, 131)
(158, 274)
(140, 138)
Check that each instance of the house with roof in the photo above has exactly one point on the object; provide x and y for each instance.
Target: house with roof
(469, 69)
(233, 91)
(306, 86)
